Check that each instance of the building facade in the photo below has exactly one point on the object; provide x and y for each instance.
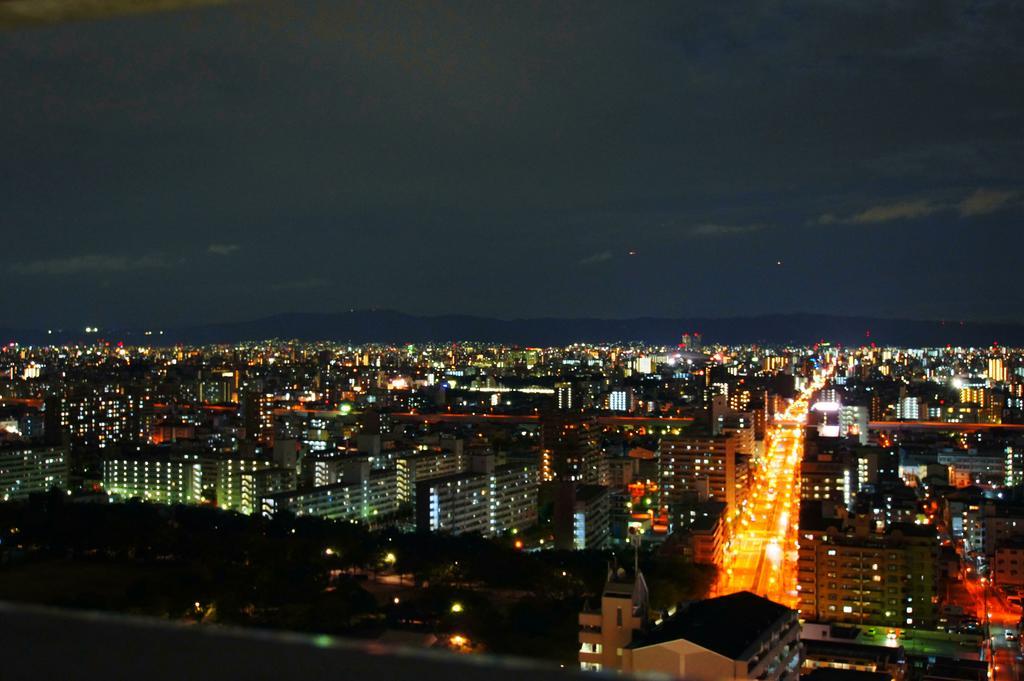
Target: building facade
(696, 468)
(490, 501)
(155, 474)
(28, 469)
(850, 574)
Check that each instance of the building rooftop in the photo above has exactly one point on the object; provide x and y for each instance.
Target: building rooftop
(812, 518)
(965, 494)
(848, 649)
(587, 493)
(621, 582)
(727, 625)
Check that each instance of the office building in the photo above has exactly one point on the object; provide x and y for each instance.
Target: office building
(840, 652)
(218, 386)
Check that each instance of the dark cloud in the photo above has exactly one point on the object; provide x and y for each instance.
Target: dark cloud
(470, 157)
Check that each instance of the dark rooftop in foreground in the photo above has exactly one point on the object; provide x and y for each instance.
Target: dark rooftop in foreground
(728, 625)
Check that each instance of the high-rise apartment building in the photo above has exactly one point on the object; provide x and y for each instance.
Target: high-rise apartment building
(853, 422)
(693, 468)
(997, 370)
(368, 496)
(566, 397)
(27, 469)
(570, 449)
(489, 500)
(258, 413)
(590, 518)
(158, 474)
(513, 497)
(827, 476)
(848, 573)
(241, 483)
(621, 400)
(1014, 465)
(420, 466)
(908, 409)
(101, 417)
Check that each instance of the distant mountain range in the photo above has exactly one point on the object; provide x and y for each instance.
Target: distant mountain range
(386, 326)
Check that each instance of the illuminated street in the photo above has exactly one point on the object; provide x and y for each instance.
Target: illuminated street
(991, 606)
(762, 554)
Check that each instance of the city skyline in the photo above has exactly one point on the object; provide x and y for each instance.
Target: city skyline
(219, 164)
(512, 339)
(486, 497)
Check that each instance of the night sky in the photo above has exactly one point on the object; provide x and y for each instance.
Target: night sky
(505, 159)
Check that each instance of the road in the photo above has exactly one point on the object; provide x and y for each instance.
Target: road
(761, 556)
(991, 606)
